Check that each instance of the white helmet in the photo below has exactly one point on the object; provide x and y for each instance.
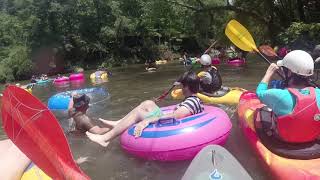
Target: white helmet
(299, 62)
(205, 60)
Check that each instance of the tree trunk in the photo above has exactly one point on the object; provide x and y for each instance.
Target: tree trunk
(302, 16)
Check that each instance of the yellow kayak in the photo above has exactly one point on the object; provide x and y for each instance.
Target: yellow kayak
(32, 172)
(230, 98)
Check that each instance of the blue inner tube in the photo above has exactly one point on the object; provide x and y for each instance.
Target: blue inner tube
(61, 100)
(43, 81)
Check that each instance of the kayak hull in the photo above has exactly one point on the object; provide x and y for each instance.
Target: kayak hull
(231, 98)
(225, 165)
(280, 167)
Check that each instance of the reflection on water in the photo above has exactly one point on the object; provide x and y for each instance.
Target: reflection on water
(128, 87)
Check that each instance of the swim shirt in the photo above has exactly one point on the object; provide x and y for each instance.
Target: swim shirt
(193, 104)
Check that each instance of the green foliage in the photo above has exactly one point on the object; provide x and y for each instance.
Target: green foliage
(298, 29)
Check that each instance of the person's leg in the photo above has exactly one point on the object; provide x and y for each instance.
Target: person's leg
(149, 104)
(5, 145)
(134, 116)
(98, 130)
(13, 162)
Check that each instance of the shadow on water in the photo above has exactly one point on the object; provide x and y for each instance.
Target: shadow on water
(127, 88)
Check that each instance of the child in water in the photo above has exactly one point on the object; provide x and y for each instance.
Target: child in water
(148, 112)
(78, 107)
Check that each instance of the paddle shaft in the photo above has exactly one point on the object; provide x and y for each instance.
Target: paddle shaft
(266, 60)
(167, 92)
(210, 46)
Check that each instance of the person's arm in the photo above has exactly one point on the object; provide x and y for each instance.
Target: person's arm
(263, 85)
(70, 106)
(181, 112)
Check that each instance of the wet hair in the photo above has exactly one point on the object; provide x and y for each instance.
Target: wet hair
(191, 80)
(81, 101)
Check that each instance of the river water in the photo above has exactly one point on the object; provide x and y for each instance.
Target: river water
(128, 87)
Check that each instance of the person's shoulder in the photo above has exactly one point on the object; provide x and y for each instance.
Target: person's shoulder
(277, 93)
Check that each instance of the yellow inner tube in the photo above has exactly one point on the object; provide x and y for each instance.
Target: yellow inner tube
(103, 76)
(161, 62)
(231, 98)
(34, 173)
(29, 90)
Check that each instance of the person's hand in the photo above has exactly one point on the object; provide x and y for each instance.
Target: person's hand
(272, 69)
(139, 128)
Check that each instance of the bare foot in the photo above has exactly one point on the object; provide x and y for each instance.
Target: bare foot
(109, 123)
(97, 139)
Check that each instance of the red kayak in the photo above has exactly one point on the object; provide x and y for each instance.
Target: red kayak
(284, 160)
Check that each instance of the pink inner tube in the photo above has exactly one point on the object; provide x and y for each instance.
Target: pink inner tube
(61, 80)
(172, 140)
(78, 76)
(236, 62)
(215, 61)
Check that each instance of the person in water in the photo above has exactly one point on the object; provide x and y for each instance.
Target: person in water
(210, 79)
(148, 112)
(78, 107)
(296, 107)
(33, 79)
(101, 71)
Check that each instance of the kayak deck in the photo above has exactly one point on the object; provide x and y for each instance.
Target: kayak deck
(282, 168)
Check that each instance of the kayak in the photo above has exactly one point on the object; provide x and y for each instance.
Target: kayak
(178, 139)
(231, 97)
(215, 162)
(274, 153)
(33, 172)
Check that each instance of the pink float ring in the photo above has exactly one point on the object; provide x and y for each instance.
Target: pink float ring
(236, 62)
(215, 61)
(172, 140)
(77, 76)
(61, 80)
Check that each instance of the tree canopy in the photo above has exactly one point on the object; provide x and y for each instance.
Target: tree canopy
(89, 33)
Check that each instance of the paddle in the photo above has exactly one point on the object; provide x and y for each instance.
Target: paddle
(36, 132)
(241, 37)
(165, 94)
(267, 50)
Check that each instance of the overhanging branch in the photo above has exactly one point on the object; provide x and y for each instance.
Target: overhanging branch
(222, 8)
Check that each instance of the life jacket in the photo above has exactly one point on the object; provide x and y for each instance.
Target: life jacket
(303, 124)
(216, 82)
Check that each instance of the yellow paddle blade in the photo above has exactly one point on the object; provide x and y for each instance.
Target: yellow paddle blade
(240, 36)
